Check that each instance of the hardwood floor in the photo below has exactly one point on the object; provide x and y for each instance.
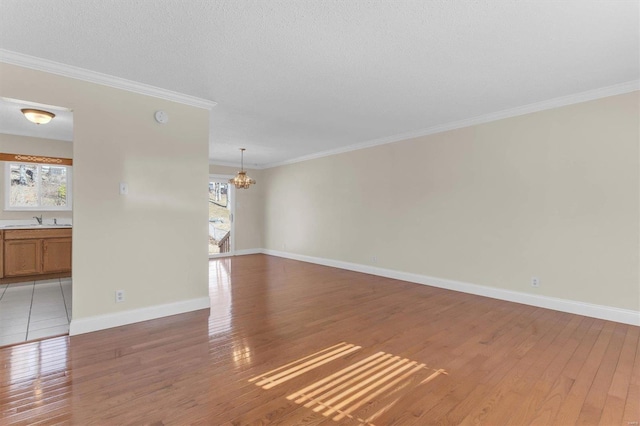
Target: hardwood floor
(292, 343)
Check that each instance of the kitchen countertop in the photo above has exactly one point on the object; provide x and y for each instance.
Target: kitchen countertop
(50, 226)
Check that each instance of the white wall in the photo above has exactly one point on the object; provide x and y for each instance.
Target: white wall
(13, 144)
(151, 243)
(553, 194)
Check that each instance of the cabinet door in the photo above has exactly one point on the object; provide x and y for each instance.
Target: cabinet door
(56, 255)
(22, 257)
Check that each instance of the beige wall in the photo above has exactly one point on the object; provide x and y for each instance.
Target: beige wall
(13, 144)
(249, 208)
(554, 194)
(153, 242)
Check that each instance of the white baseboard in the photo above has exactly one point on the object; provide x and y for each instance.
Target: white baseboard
(235, 253)
(116, 319)
(609, 313)
(247, 251)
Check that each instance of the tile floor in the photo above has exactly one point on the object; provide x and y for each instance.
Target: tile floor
(34, 310)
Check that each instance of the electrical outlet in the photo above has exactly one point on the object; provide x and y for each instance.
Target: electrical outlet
(535, 282)
(119, 296)
(374, 259)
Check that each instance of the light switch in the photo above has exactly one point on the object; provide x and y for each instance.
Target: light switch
(124, 188)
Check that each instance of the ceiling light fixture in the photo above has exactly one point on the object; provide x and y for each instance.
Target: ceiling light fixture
(242, 180)
(38, 116)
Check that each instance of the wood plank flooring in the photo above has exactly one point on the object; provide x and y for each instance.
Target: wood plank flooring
(292, 343)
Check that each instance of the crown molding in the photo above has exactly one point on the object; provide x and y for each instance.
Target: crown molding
(234, 165)
(223, 163)
(617, 89)
(39, 64)
(220, 176)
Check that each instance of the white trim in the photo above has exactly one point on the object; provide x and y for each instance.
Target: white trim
(39, 64)
(235, 253)
(19, 59)
(220, 177)
(617, 89)
(625, 316)
(117, 319)
(219, 255)
(248, 251)
(225, 164)
(235, 165)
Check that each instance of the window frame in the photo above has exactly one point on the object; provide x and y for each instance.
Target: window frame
(7, 188)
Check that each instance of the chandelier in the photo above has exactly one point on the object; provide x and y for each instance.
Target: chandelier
(242, 180)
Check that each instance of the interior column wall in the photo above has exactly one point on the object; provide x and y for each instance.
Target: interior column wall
(151, 243)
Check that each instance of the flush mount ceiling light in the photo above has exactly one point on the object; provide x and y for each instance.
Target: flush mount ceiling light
(38, 116)
(242, 180)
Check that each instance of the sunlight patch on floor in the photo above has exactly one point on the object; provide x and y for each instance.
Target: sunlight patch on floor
(362, 391)
(342, 393)
(302, 365)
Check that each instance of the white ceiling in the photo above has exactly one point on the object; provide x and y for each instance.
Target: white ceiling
(294, 78)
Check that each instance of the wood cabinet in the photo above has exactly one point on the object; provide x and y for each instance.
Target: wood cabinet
(36, 252)
(22, 257)
(56, 255)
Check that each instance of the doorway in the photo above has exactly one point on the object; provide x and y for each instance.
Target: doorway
(221, 216)
(36, 178)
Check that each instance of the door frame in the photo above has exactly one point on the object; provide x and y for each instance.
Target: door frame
(232, 204)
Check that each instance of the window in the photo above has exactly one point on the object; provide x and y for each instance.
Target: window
(30, 186)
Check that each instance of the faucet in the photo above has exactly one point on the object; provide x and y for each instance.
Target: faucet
(39, 219)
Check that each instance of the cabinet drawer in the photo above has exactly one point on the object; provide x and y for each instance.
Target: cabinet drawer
(23, 234)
